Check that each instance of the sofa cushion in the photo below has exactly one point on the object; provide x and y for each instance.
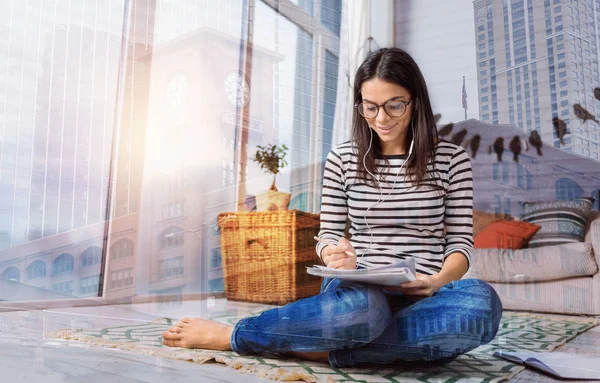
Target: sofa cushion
(506, 235)
(546, 263)
(560, 221)
(568, 296)
(482, 219)
(594, 215)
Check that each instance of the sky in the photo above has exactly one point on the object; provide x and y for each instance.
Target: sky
(441, 39)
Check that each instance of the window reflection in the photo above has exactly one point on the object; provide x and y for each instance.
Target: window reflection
(91, 256)
(36, 270)
(64, 263)
(161, 153)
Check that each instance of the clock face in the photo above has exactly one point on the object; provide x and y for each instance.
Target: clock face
(177, 89)
(237, 90)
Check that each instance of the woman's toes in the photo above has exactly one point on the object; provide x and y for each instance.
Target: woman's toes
(171, 335)
(171, 339)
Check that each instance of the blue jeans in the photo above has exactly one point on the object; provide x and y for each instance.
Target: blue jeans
(363, 324)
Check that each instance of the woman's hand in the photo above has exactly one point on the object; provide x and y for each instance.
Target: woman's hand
(424, 285)
(338, 257)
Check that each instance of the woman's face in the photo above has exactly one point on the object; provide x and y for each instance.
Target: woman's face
(392, 129)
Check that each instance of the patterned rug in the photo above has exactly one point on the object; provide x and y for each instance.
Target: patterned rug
(518, 331)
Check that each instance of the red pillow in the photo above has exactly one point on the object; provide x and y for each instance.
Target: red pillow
(506, 235)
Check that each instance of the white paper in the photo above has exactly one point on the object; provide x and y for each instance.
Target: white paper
(387, 275)
(559, 364)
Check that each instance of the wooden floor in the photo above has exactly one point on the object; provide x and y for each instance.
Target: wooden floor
(587, 344)
(29, 358)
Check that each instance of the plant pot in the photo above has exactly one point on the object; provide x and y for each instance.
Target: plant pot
(272, 201)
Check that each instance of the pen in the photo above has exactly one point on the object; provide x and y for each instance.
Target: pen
(332, 244)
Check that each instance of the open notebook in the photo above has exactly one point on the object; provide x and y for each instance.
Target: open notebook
(387, 275)
(558, 364)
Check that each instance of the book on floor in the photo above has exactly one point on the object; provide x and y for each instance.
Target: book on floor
(557, 364)
(387, 275)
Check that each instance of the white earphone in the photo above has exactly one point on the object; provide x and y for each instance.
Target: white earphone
(381, 198)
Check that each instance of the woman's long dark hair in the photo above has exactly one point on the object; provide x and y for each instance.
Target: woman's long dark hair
(396, 66)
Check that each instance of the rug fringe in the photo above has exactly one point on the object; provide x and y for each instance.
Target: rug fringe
(195, 356)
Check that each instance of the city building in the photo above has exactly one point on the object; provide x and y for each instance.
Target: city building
(502, 184)
(120, 136)
(60, 155)
(537, 60)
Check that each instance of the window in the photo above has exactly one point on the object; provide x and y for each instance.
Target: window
(63, 264)
(216, 284)
(521, 176)
(11, 274)
(63, 287)
(497, 205)
(123, 248)
(215, 258)
(171, 267)
(121, 278)
(36, 270)
(567, 189)
(89, 285)
(91, 256)
(171, 237)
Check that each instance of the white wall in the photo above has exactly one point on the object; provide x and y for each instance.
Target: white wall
(440, 35)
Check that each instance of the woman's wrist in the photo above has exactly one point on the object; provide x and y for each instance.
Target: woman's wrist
(439, 280)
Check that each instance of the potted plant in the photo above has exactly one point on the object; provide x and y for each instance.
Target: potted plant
(271, 159)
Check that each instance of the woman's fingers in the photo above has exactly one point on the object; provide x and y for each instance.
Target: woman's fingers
(336, 257)
(339, 263)
(328, 250)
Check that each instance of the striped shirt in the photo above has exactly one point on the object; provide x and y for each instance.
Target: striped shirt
(423, 222)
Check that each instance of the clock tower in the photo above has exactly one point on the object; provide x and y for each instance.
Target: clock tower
(196, 98)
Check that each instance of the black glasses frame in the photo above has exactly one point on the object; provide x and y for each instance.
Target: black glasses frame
(359, 105)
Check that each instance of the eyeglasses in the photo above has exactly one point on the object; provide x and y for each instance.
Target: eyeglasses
(393, 108)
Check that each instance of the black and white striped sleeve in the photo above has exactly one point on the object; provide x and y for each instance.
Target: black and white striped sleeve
(334, 207)
(458, 201)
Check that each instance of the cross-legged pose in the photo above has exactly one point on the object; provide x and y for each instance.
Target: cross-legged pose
(406, 194)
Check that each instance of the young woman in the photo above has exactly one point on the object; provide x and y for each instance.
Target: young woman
(406, 194)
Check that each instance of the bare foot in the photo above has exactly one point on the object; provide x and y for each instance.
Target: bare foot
(199, 333)
(320, 356)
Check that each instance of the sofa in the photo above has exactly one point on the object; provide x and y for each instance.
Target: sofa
(553, 279)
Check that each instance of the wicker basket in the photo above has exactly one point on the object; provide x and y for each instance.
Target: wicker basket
(265, 255)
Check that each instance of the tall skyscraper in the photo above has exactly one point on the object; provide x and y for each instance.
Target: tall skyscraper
(57, 110)
(65, 78)
(537, 60)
